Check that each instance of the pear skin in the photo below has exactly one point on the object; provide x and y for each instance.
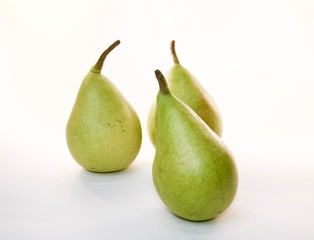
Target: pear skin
(194, 172)
(103, 132)
(188, 89)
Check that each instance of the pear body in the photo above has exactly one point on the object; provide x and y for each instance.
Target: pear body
(194, 173)
(103, 132)
(188, 89)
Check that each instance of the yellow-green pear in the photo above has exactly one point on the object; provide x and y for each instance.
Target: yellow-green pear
(189, 90)
(103, 132)
(194, 172)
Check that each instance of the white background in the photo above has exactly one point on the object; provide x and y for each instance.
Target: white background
(255, 58)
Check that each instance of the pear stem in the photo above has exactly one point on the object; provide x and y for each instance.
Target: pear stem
(100, 62)
(163, 86)
(173, 52)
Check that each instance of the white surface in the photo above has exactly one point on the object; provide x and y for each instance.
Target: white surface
(254, 57)
(50, 197)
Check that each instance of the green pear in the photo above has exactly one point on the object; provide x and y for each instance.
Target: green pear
(194, 173)
(188, 89)
(103, 132)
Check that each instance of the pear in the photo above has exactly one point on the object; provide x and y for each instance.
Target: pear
(103, 132)
(188, 89)
(194, 173)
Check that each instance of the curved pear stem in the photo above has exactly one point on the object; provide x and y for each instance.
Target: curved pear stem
(100, 62)
(163, 86)
(173, 52)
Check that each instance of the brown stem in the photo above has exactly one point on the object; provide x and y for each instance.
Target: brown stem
(100, 62)
(173, 52)
(163, 86)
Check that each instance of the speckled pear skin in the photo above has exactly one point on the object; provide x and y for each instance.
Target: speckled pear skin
(188, 89)
(194, 172)
(103, 132)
